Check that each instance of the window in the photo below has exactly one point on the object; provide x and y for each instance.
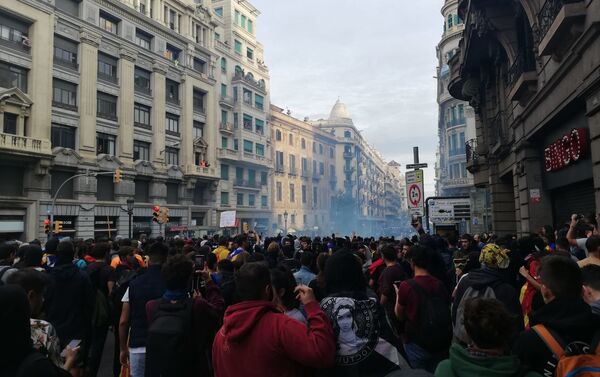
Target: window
(243, 23)
(219, 11)
(264, 201)
(172, 91)
(224, 142)
(347, 134)
(142, 6)
(320, 149)
(108, 22)
(237, 17)
(141, 151)
(57, 178)
(250, 27)
(277, 135)
(260, 126)
(223, 65)
(198, 101)
(331, 152)
(461, 113)
(461, 142)
(278, 191)
(259, 102)
(247, 96)
(223, 90)
(64, 94)
(292, 193)
(249, 53)
(13, 76)
(248, 146)
(107, 106)
(13, 31)
(235, 120)
(247, 122)
(314, 147)
(62, 136)
(239, 174)
(141, 79)
(172, 193)
(263, 178)
(141, 116)
(252, 177)
(260, 150)
(236, 144)
(304, 165)
(217, 36)
(225, 172)
(224, 198)
(321, 168)
(107, 68)
(65, 52)
(143, 39)
(172, 156)
(172, 124)
(197, 129)
(314, 168)
(238, 47)
(450, 21)
(251, 200)
(292, 160)
(303, 143)
(240, 199)
(293, 218)
(173, 22)
(291, 139)
(105, 144)
(279, 161)
(303, 194)
(172, 53)
(105, 188)
(315, 196)
(68, 6)
(199, 65)
(332, 171)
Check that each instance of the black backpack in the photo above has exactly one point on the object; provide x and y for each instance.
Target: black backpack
(169, 345)
(102, 306)
(434, 324)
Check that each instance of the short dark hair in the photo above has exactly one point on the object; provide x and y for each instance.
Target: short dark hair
(100, 250)
(488, 323)
(32, 256)
(211, 261)
(420, 256)
(343, 273)
(282, 278)
(388, 252)
(561, 275)
(158, 251)
(51, 245)
(590, 276)
(307, 258)
(29, 280)
(177, 272)
(225, 265)
(563, 242)
(251, 281)
(65, 252)
(592, 243)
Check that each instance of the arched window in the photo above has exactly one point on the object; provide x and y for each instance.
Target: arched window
(277, 135)
(239, 71)
(303, 143)
(250, 75)
(261, 83)
(223, 65)
(347, 134)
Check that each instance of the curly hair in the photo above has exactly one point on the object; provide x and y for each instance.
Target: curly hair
(488, 323)
(177, 272)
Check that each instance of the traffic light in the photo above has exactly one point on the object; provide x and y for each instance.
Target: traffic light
(58, 226)
(118, 175)
(46, 225)
(155, 214)
(165, 215)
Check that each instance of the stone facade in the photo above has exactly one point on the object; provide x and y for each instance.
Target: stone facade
(531, 71)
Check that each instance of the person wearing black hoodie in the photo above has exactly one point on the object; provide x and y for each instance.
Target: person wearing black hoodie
(70, 298)
(564, 313)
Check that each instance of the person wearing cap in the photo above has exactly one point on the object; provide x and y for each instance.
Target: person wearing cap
(493, 274)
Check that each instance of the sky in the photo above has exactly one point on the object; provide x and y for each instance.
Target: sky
(377, 56)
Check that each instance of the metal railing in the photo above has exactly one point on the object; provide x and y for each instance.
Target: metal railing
(108, 78)
(523, 63)
(548, 14)
(227, 127)
(246, 183)
(471, 151)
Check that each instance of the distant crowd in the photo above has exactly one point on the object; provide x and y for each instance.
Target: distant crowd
(473, 305)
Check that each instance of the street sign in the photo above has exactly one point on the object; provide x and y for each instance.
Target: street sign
(414, 190)
(228, 219)
(449, 210)
(416, 166)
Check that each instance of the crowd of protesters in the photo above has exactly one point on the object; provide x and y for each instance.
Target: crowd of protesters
(352, 306)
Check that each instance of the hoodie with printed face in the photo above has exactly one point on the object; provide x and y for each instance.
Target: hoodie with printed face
(258, 340)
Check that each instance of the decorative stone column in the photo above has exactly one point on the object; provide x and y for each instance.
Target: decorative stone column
(187, 118)
(158, 114)
(87, 93)
(21, 121)
(126, 103)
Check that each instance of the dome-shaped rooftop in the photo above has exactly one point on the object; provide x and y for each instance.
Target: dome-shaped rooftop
(339, 111)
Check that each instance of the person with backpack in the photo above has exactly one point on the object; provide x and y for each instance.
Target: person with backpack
(490, 328)
(133, 324)
(492, 280)
(182, 328)
(565, 333)
(423, 303)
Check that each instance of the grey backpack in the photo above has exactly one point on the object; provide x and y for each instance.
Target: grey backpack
(472, 292)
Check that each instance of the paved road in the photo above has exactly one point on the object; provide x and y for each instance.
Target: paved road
(107, 357)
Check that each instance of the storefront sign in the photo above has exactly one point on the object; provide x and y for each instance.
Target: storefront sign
(566, 150)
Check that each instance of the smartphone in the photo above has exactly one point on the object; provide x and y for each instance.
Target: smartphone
(72, 344)
(199, 260)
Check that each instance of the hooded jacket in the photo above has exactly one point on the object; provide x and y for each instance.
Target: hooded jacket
(571, 319)
(257, 340)
(462, 364)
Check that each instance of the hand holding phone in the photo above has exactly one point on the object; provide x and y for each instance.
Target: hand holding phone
(73, 344)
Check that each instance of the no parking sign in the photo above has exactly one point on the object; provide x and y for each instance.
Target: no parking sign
(414, 191)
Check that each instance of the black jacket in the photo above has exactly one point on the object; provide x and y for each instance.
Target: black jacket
(571, 319)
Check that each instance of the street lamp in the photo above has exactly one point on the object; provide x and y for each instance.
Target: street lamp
(130, 203)
(285, 215)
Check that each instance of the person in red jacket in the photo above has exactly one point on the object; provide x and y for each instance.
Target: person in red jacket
(258, 340)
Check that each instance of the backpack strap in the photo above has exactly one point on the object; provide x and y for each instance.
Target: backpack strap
(550, 341)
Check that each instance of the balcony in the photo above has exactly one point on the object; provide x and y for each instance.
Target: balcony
(23, 144)
(226, 128)
(66, 64)
(316, 176)
(245, 184)
(228, 154)
(304, 173)
(221, 45)
(258, 85)
(457, 182)
(456, 122)
(473, 158)
(293, 171)
(226, 101)
(21, 46)
(172, 100)
(279, 168)
(197, 170)
(556, 21)
(256, 159)
(522, 78)
(348, 155)
(200, 110)
(108, 78)
(143, 90)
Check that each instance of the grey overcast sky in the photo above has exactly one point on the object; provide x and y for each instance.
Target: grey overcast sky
(378, 56)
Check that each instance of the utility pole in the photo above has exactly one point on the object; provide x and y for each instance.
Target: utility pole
(414, 186)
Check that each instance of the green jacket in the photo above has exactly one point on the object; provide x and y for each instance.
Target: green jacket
(462, 364)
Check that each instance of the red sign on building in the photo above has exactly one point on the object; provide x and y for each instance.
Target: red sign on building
(567, 150)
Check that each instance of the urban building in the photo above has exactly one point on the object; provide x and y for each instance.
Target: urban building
(359, 203)
(304, 179)
(92, 86)
(456, 125)
(244, 150)
(396, 215)
(530, 71)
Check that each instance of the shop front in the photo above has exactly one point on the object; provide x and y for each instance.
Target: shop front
(142, 225)
(105, 227)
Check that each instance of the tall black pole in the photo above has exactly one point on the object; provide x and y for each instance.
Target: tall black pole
(130, 213)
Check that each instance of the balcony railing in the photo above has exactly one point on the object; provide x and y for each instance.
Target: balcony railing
(472, 155)
(239, 76)
(227, 153)
(348, 155)
(21, 46)
(108, 78)
(143, 90)
(555, 21)
(195, 169)
(172, 100)
(523, 63)
(226, 100)
(456, 122)
(293, 171)
(455, 182)
(246, 184)
(548, 14)
(226, 127)
(222, 45)
(199, 110)
(24, 144)
(66, 64)
(257, 158)
(304, 173)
